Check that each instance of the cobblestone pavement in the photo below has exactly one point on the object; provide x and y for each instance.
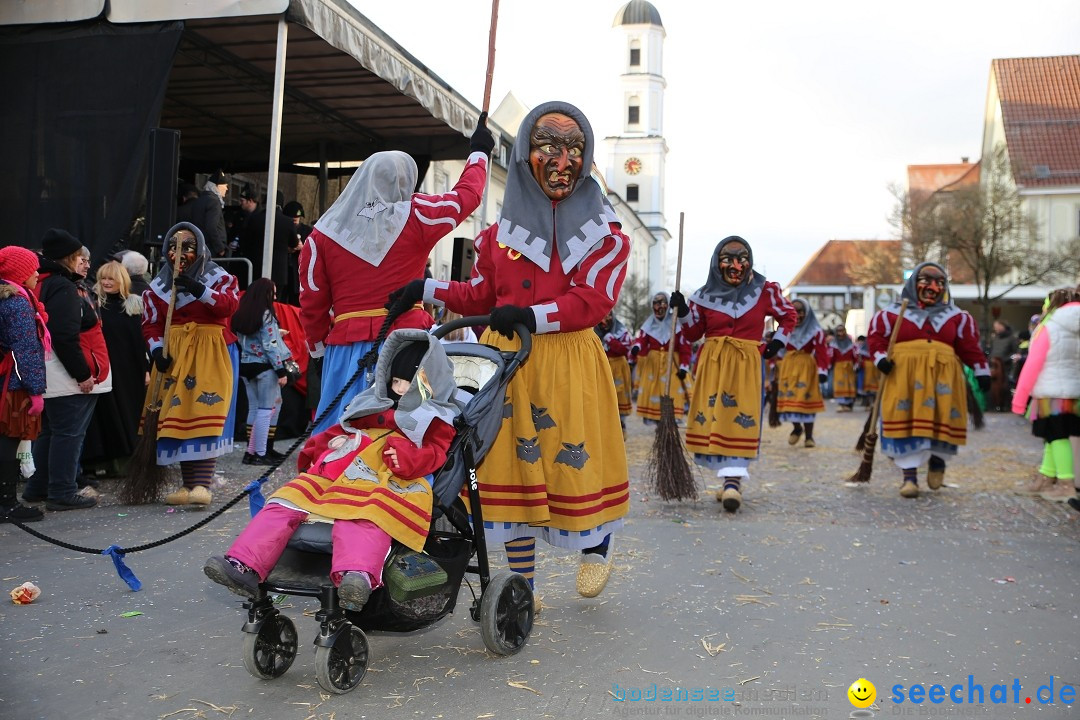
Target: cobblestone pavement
(810, 586)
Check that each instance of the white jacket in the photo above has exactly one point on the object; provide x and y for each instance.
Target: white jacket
(1060, 376)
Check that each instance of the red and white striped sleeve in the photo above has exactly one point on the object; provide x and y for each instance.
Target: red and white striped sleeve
(439, 214)
(594, 286)
(316, 297)
(782, 310)
(477, 295)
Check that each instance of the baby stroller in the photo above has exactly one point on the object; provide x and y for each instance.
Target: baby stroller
(420, 588)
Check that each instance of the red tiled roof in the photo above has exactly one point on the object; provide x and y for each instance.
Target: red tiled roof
(829, 265)
(925, 180)
(1040, 109)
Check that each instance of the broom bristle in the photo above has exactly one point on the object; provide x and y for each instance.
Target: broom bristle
(866, 467)
(145, 478)
(667, 468)
(860, 444)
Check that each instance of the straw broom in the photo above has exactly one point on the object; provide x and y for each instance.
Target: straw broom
(870, 440)
(145, 477)
(667, 467)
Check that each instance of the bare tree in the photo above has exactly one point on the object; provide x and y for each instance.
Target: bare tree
(983, 234)
(879, 264)
(634, 305)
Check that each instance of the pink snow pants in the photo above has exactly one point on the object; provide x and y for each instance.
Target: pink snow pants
(358, 544)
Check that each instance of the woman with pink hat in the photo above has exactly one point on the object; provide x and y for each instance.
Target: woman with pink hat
(24, 340)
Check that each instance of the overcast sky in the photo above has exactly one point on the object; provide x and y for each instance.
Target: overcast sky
(786, 122)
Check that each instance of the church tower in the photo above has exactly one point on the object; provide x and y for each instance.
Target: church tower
(636, 157)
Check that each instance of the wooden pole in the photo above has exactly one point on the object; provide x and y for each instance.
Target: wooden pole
(491, 55)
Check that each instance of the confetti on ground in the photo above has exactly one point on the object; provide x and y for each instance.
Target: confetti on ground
(130, 613)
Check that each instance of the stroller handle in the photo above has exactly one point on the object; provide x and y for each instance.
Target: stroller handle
(519, 329)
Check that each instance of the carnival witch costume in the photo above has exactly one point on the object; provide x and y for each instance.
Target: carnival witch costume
(555, 263)
(924, 402)
(198, 398)
(650, 347)
(723, 428)
(804, 367)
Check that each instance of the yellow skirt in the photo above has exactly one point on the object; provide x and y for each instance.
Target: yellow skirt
(559, 459)
(651, 370)
(620, 373)
(870, 376)
(799, 391)
(198, 387)
(367, 490)
(844, 379)
(925, 396)
(725, 413)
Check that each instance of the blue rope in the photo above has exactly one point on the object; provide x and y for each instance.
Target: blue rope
(117, 555)
(256, 501)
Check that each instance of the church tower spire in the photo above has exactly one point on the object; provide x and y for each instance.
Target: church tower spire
(636, 157)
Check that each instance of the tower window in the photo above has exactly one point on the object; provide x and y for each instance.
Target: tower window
(631, 193)
(635, 57)
(633, 115)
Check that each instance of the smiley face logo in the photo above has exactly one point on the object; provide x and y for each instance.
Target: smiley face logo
(862, 693)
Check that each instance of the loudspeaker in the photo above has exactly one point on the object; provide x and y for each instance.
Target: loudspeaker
(463, 259)
(163, 164)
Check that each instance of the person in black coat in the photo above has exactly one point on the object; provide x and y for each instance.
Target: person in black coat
(206, 213)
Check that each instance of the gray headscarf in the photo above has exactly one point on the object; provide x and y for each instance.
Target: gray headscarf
(720, 295)
(659, 328)
(938, 313)
(842, 346)
(804, 332)
(417, 409)
(371, 212)
(203, 269)
(529, 223)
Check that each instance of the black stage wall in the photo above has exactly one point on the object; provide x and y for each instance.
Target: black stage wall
(75, 128)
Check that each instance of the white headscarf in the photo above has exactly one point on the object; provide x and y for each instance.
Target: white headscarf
(371, 212)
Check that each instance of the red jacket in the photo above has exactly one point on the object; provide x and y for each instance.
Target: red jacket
(334, 282)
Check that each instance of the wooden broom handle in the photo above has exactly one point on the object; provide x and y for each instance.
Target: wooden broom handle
(491, 55)
(675, 313)
(159, 377)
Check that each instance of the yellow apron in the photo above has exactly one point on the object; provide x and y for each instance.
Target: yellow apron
(925, 395)
(725, 413)
(198, 387)
(799, 391)
(651, 369)
(559, 459)
(620, 374)
(844, 379)
(367, 490)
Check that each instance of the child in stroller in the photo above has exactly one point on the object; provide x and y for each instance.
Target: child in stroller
(367, 474)
(372, 467)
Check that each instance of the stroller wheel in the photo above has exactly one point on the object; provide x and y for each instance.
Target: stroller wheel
(506, 613)
(341, 667)
(271, 651)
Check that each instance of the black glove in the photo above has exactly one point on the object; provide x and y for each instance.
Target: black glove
(678, 303)
(822, 377)
(504, 318)
(772, 348)
(681, 373)
(482, 139)
(405, 297)
(190, 285)
(161, 362)
(984, 382)
(885, 365)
